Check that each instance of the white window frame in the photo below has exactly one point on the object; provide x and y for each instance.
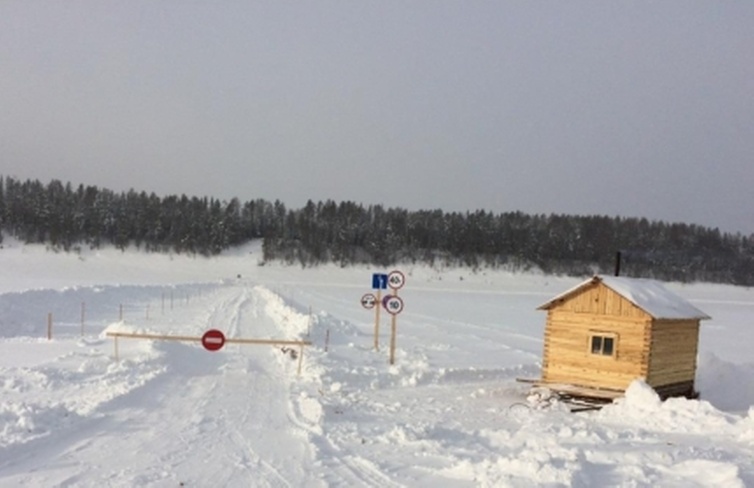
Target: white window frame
(601, 335)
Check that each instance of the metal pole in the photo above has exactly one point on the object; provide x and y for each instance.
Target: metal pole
(617, 263)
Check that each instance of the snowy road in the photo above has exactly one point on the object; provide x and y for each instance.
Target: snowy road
(211, 419)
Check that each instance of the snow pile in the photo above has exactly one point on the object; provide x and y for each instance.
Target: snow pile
(23, 422)
(643, 406)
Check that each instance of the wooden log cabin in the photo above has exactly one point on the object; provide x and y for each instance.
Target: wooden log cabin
(608, 331)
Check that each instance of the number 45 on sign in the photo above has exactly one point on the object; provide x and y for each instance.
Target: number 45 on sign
(396, 280)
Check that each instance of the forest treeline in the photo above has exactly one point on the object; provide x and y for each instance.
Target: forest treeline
(67, 218)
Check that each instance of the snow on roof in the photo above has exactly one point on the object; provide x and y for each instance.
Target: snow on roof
(649, 295)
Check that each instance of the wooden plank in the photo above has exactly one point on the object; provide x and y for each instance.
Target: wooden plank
(677, 389)
(575, 317)
(673, 343)
(581, 390)
(667, 376)
(672, 367)
(164, 337)
(618, 383)
(596, 370)
(570, 373)
(660, 360)
(601, 303)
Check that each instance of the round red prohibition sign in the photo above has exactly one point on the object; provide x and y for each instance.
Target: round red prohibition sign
(213, 340)
(393, 304)
(368, 301)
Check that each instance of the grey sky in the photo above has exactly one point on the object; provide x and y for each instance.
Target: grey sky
(635, 108)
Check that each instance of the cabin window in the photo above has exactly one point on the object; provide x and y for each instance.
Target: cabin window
(603, 344)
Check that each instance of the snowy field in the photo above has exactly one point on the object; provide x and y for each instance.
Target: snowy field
(449, 413)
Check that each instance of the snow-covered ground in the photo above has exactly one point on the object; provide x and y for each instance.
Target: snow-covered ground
(449, 413)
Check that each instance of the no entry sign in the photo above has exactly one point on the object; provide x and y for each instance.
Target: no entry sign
(213, 340)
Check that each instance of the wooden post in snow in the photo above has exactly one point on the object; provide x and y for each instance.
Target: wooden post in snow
(393, 333)
(309, 323)
(49, 326)
(377, 320)
(394, 305)
(300, 358)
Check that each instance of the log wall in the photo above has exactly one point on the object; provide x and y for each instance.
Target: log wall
(567, 351)
(673, 350)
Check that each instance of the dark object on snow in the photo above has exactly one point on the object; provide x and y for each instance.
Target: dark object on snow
(289, 351)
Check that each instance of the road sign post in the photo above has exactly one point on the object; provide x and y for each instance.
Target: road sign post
(393, 336)
(394, 305)
(377, 321)
(379, 283)
(369, 301)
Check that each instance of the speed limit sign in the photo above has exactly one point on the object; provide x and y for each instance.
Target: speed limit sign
(393, 304)
(396, 279)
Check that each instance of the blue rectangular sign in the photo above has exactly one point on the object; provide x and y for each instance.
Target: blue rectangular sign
(379, 281)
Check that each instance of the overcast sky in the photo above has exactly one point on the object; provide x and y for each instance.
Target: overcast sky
(635, 108)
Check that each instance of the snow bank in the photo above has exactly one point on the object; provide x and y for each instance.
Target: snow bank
(727, 386)
(643, 406)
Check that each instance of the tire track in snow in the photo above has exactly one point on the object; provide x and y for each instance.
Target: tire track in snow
(340, 468)
(245, 365)
(213, 419)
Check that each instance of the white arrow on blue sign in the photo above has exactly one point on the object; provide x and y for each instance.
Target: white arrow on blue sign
(379, 281)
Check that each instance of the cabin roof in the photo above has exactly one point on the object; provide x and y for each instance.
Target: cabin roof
(649, 295)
